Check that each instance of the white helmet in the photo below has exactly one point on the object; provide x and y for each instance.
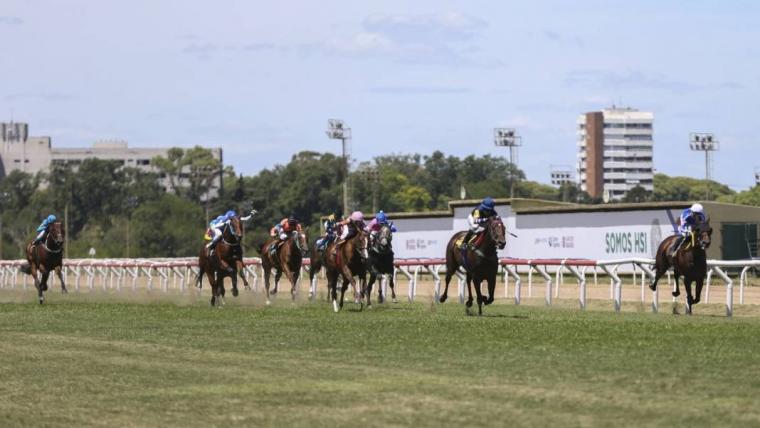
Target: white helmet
(697, 208)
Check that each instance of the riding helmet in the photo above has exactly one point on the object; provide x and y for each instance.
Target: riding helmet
(292, 221)
(488, 204)
(697, 208)
(230, 214)
(380, 217)
(51, 218)
(357, 216)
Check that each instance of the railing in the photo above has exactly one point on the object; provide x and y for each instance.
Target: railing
(117, 274)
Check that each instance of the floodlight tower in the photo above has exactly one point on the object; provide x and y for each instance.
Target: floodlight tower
(337, 130)
(560, 176)
(704, 142)
(508, 137)
(757, 176)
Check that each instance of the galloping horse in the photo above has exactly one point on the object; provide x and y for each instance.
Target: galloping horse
(689, 261)
(45, 257)
(380, 263)
(316, 261)
(223, 263)
(347, 262)
(480, 264)
(287, 259)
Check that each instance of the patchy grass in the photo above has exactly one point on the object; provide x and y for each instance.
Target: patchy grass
(161, 364)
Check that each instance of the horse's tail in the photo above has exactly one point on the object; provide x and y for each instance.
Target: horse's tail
(25, 268)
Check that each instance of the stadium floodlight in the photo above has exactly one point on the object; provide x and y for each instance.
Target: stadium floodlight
(704, 142)
(757, 176)
(508, 137)
(337, 130)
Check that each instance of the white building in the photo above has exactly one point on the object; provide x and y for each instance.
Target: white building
(28, 154)
(615, 152)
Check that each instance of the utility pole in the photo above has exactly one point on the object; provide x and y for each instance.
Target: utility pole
(508, 137)
(337, 130)
(704, 142)
(371, 176)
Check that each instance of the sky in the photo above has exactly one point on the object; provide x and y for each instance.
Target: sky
(260, 79)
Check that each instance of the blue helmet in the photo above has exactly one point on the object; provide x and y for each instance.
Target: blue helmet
(487, 204)
(51, 219)
(380, 217)
(229, 214)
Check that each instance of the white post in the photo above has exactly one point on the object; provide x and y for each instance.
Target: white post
(742, 281)
(548, 278)
(707, 285)
(516, 276)
(729, 290)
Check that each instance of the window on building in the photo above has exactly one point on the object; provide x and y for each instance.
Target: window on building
(143, 161)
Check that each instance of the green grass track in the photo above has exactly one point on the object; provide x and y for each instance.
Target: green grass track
(127, 364)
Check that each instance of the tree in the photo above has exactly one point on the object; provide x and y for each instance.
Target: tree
(168, 227)
(747, 197)
(687, 189)
(191, 172)
(637, 194)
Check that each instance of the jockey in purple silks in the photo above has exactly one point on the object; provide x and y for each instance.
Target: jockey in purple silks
(377, 223)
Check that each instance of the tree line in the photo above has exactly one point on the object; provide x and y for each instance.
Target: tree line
(127, 212)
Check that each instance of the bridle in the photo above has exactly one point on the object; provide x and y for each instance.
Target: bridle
(383, 240)
(499, 240)
(58, 244)
(235, 236)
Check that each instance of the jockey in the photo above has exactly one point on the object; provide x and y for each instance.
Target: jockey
(282, 230)
(216, 226)
(351, 226)
(330, 226)
(690, 217)
(377, 223)
(477, 218)
(42, 229)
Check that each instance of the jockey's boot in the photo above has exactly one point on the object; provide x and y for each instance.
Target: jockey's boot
(466, 240)
(675, 246)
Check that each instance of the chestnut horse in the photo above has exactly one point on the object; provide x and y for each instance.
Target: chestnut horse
(346, 261)
(224, 262)
(287, 259)
(690, 261)
(479, 264)
(44, 258)
(380, 263)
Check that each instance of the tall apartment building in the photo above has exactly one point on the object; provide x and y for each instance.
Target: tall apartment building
(21, 152)
(615, 152)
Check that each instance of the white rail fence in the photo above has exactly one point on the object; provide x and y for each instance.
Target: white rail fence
(180, 273)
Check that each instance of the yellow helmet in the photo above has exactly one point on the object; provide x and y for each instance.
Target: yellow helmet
(331, 217)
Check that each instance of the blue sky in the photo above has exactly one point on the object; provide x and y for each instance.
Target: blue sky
(260, 79)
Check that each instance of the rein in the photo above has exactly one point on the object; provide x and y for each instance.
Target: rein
(231, 244)
(47, 248)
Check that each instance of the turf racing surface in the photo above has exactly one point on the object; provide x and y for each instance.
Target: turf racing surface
(108, 364)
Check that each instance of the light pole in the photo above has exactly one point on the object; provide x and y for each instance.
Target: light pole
(508, 137)
(562, 175)
(337, 130)
(704, 142)
(757, 176)
(371, 176)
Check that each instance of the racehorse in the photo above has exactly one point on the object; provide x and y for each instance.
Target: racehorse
(45, 257)
(346, 262)
(223, 263)
(479, 264)
(287, 259)
(380, 263)
(690, 261)
(316, 261)
(239, 265)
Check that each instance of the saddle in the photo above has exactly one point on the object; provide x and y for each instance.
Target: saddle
(476, 241)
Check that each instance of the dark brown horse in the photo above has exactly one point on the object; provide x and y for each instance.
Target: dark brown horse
(346, 262)
(223, 263)
(481, 264)
(316, 261)
(380, 263)
(44, 258)
(689, 261)
(287, 260)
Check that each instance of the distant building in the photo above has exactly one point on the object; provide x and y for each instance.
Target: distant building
(35, 154)
(615, 152)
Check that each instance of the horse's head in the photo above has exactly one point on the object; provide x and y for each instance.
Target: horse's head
(234, 229)
(384, 238)
(302, 243)
(704, 233)
(360, 244)
(497, 232)
(56, 233)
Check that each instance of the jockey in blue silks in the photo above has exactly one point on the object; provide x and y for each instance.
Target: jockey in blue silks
(690, 218)
(377, 223)
(330, 226)
(42, 229)
(216, 226)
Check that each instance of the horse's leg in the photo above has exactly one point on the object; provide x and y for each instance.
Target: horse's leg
(491, 281)
(445, 295)
(233, 277)
(212, 284)
(332, 291)
(343, 288)
(277, 276)
(479, 294)
(698, 294)
(372, 279)
(267, 273)
(241, 272)
(689, 296)
(59, 273)
(676, 287)
(392, 285)
(293, 278)
(468, 303)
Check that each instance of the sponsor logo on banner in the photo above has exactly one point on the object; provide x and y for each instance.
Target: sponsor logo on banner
(655, 238)
(557, 241)
(420, 244)
(626, 242)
